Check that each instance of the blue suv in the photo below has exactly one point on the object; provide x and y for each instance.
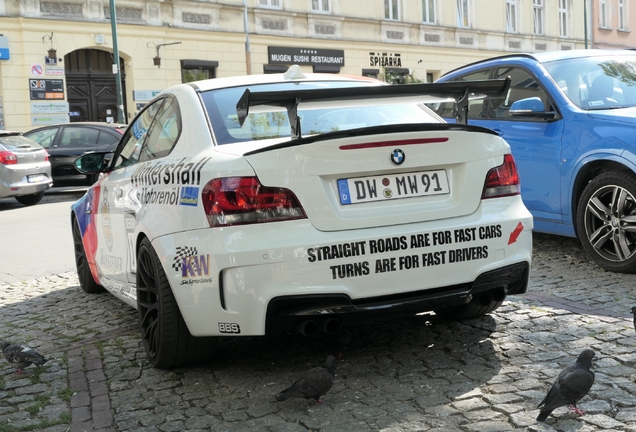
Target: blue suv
(570, 119)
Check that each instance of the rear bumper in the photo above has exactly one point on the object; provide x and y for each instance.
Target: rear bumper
(12, 188)
(286, 312)
(260, 278)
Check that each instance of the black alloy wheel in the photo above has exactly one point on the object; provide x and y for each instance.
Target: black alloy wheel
(606, 221)
(84, 274)
(165, 336)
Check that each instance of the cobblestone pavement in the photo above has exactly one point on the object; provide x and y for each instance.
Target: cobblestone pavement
(419, 374)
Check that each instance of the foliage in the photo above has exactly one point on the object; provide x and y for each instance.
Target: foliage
(391, 77)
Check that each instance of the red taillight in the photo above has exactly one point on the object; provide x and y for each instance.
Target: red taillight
(8, 158)
(46, 156)
(502, 180)
(244, 200)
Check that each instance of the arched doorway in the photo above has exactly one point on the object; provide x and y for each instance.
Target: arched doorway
(91, 87)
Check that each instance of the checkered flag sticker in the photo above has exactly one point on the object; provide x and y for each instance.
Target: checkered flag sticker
(183, 252)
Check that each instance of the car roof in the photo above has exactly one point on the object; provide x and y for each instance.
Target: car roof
(544, 57)
(104, 124)
(80, 124)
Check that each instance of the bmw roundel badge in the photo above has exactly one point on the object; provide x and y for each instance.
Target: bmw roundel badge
(397, 156)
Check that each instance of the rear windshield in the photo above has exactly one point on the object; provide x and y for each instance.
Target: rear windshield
(17, 143)
(221, 109)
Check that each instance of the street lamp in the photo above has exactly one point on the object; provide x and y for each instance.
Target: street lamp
(116, 66)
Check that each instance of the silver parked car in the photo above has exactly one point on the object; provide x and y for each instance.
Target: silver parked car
(25, 170)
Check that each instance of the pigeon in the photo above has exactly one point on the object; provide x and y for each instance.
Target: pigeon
(570, 386)
(21, 356)
(634, 312)
(314, 384)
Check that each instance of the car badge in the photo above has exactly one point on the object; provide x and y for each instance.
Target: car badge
(397, 157)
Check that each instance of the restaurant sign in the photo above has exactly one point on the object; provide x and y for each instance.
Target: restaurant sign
(305, 56)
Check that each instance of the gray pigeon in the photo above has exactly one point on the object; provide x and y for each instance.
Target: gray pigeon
(570, 386)
(314, 384)
(634, 312)
(21, 356)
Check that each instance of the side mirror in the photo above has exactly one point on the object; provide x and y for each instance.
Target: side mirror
(527, 106)
(530, 107)
(91, 163)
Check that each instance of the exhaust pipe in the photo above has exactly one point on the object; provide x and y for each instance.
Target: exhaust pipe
(308, 328)
(499, 294)
(483, 299)
(330, 326)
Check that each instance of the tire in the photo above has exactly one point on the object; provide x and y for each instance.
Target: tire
(30, 199)
(84, 274)
(166, 338)
(468, 310)
(606, 221)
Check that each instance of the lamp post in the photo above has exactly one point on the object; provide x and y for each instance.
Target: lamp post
(116, 66)
(248, 53)
(585, 21)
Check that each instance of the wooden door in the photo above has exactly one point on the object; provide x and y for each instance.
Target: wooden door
(91, 87)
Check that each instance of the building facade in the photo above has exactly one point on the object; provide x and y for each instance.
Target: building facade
(163, 43)
(611, 24)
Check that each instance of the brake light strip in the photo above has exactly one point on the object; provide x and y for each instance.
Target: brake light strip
(394, 143)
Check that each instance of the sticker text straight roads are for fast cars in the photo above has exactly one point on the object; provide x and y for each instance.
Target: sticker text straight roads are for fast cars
(406, 262)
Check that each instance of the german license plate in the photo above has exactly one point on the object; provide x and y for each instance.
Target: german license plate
(394, 186)
(36, 178)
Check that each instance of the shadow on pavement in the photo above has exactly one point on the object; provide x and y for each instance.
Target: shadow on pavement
(392, 373)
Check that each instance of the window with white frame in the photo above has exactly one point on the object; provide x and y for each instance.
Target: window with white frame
(463, 19)
(563, 18)
(622, 15)
(602, 14)
(270, 3)
(392, 9)
(511, 16)
(428, 11)
(320, 5)
(538, 15)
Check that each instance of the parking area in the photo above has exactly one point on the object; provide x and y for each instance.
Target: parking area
(422, 373)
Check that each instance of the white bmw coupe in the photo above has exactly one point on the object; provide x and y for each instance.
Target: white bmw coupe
(282, 203)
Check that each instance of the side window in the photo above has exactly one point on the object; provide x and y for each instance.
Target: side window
(105, 138)
(78, 137)
(523, 85)
(480, 108)
(164, 132)
(130, 145)
(44, 137)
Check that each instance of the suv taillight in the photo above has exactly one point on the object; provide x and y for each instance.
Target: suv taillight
(8, 158)
(503, 180)
(46, 156)
(244, 200)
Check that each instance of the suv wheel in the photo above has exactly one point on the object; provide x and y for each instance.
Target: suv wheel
(606, 221)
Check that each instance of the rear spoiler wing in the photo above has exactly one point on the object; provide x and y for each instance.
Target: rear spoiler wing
(459, 91)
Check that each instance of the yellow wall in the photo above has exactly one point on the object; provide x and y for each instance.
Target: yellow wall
(423, 48)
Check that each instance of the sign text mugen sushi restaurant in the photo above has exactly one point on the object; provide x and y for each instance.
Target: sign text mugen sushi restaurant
(305, 56)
